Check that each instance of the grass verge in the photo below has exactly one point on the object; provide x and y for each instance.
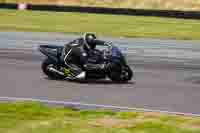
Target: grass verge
(31, 117)
(112, 25)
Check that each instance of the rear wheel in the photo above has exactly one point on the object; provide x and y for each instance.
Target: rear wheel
(46, 64)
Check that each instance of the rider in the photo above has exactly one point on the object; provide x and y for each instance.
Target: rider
(78, 52)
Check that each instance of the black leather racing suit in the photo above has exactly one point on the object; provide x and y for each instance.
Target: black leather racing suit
(79, 58)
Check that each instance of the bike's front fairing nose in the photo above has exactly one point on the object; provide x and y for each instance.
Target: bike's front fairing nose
(118, 56)
(116, 52)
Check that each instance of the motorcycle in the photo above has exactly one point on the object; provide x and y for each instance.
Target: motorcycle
(118, 71)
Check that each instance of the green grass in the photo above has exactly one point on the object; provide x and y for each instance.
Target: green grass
(26, 117)
(112, 25)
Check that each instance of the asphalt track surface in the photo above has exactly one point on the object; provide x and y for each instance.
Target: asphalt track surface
(167, 74)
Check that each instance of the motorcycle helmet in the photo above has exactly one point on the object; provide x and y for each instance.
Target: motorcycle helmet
(89, 39)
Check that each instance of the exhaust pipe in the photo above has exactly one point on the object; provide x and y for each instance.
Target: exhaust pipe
(55, 71)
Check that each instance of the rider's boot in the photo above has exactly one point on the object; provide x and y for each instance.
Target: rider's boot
(98, 67)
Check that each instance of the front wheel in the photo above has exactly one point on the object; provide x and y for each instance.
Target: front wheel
(46, 64)
(126, 74)
(123, 74)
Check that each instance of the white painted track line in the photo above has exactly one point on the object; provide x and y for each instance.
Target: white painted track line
(78, 105)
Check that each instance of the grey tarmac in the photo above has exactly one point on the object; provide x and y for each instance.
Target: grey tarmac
(167, 73)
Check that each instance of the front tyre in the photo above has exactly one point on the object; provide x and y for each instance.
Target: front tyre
(126, 74)
(121, 74)
(46, 64)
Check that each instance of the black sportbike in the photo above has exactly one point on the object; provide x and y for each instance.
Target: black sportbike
(118, 71)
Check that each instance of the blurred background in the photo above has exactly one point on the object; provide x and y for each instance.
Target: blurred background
(136, 4)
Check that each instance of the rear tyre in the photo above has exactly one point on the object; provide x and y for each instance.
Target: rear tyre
(49, 63)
